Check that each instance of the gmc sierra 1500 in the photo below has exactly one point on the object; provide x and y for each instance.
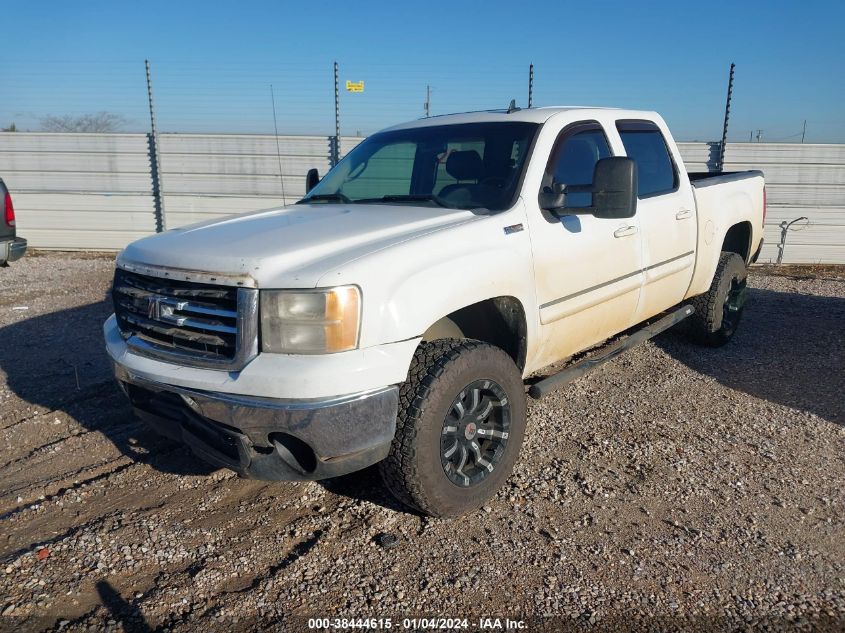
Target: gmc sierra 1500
(392, 314)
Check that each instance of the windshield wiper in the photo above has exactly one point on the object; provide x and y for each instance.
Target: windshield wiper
(422, 197)
(326, 197)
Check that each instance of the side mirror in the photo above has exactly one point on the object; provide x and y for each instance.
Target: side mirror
(614, 188)
(311, 179)
(552, 198)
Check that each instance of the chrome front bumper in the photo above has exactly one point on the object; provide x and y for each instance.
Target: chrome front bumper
(267, 438)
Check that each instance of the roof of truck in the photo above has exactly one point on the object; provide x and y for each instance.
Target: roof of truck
(531, 115)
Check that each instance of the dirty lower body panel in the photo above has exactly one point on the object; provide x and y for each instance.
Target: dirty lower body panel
(265, 438)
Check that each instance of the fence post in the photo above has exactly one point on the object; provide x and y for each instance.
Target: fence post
(155, 158)
(335, 150)
(725, 126)
(531, 86)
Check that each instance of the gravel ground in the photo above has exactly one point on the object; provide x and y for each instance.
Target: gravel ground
(676, 488)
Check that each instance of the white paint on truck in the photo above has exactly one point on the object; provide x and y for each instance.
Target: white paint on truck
(417, 265)
(577, 278)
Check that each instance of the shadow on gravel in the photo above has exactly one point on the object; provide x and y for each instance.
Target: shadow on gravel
(58, 361)
(789, 349)
(127, 614)
(365, 485)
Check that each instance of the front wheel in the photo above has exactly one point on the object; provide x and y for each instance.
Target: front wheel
(718, 311)
(459, 429)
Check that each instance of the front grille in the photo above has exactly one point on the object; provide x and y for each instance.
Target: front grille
(186, 322)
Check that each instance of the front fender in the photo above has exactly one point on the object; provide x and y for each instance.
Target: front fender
(409, 286)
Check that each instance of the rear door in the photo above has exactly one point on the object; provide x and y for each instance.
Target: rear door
(666, 211)
(587, 270)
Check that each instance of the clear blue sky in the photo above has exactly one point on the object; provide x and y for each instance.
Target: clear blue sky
(213, 63)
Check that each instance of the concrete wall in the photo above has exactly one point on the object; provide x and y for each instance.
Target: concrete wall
(94, 191)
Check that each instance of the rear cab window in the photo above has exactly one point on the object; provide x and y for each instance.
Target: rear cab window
(645, 144)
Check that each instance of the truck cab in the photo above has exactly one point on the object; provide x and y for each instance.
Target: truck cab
(392, 314)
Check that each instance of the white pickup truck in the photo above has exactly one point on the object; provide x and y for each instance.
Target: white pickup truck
(392, 315)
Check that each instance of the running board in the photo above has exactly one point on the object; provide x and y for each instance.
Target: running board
(585, 366)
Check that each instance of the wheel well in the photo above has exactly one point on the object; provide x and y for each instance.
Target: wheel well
(738, 240)
(499, 321)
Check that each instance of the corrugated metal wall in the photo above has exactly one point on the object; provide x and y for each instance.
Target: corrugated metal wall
(94, 191)
(204, 176)
(801, 180)
(79, 190)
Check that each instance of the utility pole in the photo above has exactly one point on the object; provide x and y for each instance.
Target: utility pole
(155, 157)
(530, 85)
(335, 157)
(721, 163)
(427, 104)
(804, 131)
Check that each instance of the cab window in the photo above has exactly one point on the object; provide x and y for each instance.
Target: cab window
(388, 173)
(574, 159)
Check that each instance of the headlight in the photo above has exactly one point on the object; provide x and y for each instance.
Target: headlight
(310, 321)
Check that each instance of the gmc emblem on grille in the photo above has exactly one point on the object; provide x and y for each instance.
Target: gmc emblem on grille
(164, 309)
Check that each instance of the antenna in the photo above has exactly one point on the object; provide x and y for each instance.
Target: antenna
(427, 103)
(512, 106)
(278, 151)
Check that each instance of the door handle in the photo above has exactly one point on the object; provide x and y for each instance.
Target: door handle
(683, 214)
(625, 231)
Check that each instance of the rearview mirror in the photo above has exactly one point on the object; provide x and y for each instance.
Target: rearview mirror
(552, 198)
(613, 192)
(614, 188)
(311, 179)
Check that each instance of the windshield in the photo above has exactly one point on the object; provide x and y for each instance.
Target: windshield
(465, 166)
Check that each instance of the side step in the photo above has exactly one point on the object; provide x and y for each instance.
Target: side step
(585, 366)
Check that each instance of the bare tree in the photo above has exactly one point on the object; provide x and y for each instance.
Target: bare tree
(95, 122)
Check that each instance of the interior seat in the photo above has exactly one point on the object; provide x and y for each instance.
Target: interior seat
(463, 165)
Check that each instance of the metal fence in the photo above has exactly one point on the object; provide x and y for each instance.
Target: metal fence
(94, 191)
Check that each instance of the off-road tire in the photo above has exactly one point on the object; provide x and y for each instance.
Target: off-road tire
(440, 370)
(707, 325)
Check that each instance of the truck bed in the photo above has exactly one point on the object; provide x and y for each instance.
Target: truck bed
(725, 200)
(706, 178)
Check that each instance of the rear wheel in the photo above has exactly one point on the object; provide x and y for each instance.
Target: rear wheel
(718, 311)
(459, 428)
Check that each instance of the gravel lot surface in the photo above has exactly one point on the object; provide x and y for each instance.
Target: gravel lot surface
(676, 488)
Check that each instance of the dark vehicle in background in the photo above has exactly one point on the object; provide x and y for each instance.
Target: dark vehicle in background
(12, 248)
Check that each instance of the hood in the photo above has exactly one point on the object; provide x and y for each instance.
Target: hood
(288, 247)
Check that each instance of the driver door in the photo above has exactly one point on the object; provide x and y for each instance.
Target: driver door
(587, 269)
